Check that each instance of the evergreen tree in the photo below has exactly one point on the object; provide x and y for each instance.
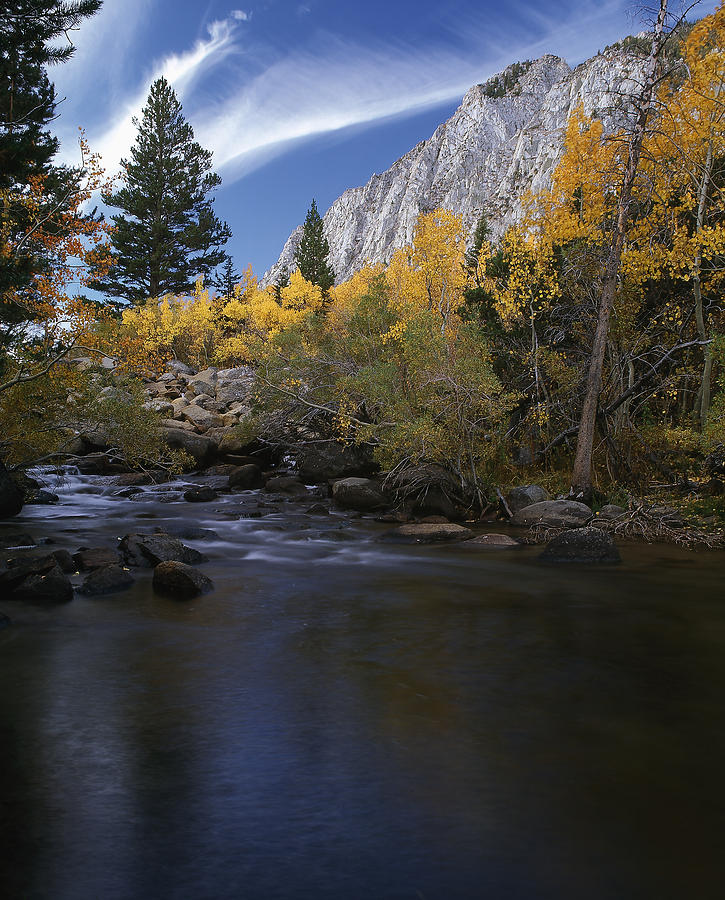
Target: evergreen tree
(226, 280)
(313, 251)
(28, 29)
(167, 234)
(480, 236)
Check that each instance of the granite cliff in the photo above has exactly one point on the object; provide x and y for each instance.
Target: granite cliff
(504, 139)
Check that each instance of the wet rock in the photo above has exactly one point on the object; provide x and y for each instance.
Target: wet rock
(246, 478)
(148, 550)
(128, 492)
(189, 533)
(17, 539)
(556, 513)
(48, 588)
(286, 484)
(426, 534)
(95, 558)
(492, 542)
(180, 581)
(11, 496)
(434, 520)
(19, 570)
(42, 498)
(94, 464)
(611, 511)
(526, 495)
(317, 509)
(361, 494)
(65, 561)
(202, 449)
(132, 479)
(4, 622)
(581, 545)
(106, 580)
(202, 494)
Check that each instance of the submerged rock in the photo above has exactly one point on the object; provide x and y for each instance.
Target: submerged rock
(556, 513)
(201, 494)
(180, 581)
(426, 534)
(106, 580)
(95, 558)
(581, 545)
(492, 542)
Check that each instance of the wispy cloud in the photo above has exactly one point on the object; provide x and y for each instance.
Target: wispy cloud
(301, 94)
(304, 94)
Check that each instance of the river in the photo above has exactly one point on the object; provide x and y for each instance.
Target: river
(347, 719)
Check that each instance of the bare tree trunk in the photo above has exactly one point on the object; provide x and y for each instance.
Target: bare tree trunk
(703, 396)
(581, 480)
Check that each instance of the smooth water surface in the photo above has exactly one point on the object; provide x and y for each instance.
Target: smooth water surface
(344, 719)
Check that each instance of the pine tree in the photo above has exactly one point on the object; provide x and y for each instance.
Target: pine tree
(28, 29)
(226, 280)
(480, 236)
(313, 251)
(167, 234)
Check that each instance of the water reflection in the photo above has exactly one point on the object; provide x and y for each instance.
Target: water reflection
(344, 720)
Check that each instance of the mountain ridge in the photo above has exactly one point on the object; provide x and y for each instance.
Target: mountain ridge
(483, 159)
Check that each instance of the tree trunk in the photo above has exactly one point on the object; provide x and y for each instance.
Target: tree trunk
(581, 481)
(703, 396)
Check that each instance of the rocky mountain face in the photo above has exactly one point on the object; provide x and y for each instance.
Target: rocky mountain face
(483, 159)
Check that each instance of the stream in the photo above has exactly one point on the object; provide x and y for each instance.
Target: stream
(347, 719)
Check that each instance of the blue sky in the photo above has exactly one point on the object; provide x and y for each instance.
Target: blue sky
(305, 98)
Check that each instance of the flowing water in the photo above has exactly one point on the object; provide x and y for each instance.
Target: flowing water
(348, 719)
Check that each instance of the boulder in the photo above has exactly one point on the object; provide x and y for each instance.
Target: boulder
(65, 561)
(95, 558)
(201, 494)
(18, 571)
(177, 367)
(235, 385)
(179, 406)
(492, 542)
(48, 588)
(4, 621)
(148, 550)
(556, 513)
(94, 464)
(162, 407)
(199, 447)
(325, 461)
(178, 423)
(581, 545)
(358, 493)
(232, 442)
(11, 496)
(286, 484)
(180, 581)
(106, 580)
(427, 534)
(201, 418)
(610, 512)
(246, 478)
(526, 495)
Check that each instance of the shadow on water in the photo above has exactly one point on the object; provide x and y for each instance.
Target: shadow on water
(347, 719)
